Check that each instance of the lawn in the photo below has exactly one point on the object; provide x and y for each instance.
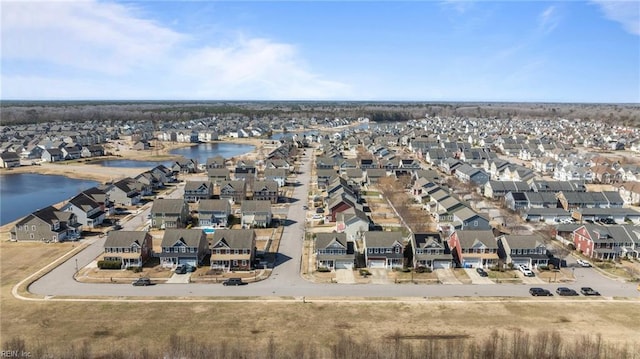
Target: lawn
(123, 324)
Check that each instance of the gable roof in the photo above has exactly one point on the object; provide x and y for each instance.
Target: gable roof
(125, 239)
(166, 205)
(190, 237)
(233, 238)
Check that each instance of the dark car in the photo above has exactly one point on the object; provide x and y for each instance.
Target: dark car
(181, 269)
(233, 281)
(540, 292)
(191, 268)
(482, 272)
(142, 282)
(588, 291)
(564, 291)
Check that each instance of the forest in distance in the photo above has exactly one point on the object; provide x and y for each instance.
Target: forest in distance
(24, 112)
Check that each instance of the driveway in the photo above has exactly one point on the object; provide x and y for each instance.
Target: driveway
(446, 276)
(345, 276)
(179, 278)
(379, 276)
(530, 280)
(476, 278)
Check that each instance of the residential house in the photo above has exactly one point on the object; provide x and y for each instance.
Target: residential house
(607, 242)
(233, 249)
(256, 214)
(245, 170)
(213, 212)
(266, 190)
(468, 174)
(52, 155)
(630, 193)
(373, 175)
(169, 213)
(48, 225)
(474, 248)
(547, 215)
(9, 160)
(497, 189)
(183, 246)
(234, 191)
(383, 249)
(195, 191)
(353, 222)
(216, 162)
(218, 175)
(130, 248)
(527, 250)
(334, 251)
(279, 175)
(430, 251)
(88, 212)
(123, 193)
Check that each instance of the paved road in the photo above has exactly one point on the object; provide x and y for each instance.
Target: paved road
(286, 280)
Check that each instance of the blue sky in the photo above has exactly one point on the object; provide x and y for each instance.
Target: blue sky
(320, 50)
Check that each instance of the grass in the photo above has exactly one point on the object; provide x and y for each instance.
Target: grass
(108, 325)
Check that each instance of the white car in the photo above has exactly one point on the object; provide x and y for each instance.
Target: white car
(526, 271)
(583, 263)
(317, 216)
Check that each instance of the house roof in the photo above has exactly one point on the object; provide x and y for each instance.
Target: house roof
(195, 185)
(233, 238)
(214, 205)
(166, 205)
(125, 239)
(382, 239)
(323, 240)
(266, 185)
(249, 206)
(428, 240)
(523, 241)
(190, 237)
(470, 239)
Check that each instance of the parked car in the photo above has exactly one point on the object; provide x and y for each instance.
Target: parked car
(143, 281)
(233, 281)
(305, 207)
(583, 263)
(540, 292)
(191, 268)
(564, 291)
(526, 271)
(181, 269)
(588, 291)
(317, 216)
(482, 272)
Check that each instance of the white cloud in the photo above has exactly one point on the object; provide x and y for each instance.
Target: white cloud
(88, 49)
(460, 6)
(548, 19)
(627, 13)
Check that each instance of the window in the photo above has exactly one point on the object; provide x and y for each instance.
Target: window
(183, 250)
(244, 263)
(31, 235)
(126, 250)
(33, 227)
(388, 250)
(397, 249)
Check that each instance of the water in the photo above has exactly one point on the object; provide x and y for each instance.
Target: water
(206, 150)
(24, 193)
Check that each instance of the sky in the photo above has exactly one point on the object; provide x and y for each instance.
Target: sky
(537, 51)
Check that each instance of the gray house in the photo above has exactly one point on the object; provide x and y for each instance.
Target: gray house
(169, 213)
(213, 212)
(256, 214)
(183, 246)
(88, 212)
(333, 251)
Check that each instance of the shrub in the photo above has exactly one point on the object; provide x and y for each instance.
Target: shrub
(109, 264)
(543, 267)
(420, 269)
(406, 270)
(323, 269)
(364, 272)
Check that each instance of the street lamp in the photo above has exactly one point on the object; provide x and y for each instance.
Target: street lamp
(76, 264)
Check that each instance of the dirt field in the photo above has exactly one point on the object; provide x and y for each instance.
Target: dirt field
(126, 324)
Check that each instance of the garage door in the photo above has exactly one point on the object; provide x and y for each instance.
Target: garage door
(517, 261)
(472, 263)
(191, 262)
(344, 265)
(377, 263)
(441, 265)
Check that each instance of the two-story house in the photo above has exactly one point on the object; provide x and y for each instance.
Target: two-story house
(527, 250)
(256, 214)
(234, 191)
(123, 193)
(195, 191)
(474, 248)
(169, 213)
(607, 242)
(48, 225)
(245, 170)
(130, 248)
(88, 212)
(266, 190)
(383, 249)
(334, 251)
(430, 251)
(279, 175)
(233, 249)
(213, 212)
(183, 246)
